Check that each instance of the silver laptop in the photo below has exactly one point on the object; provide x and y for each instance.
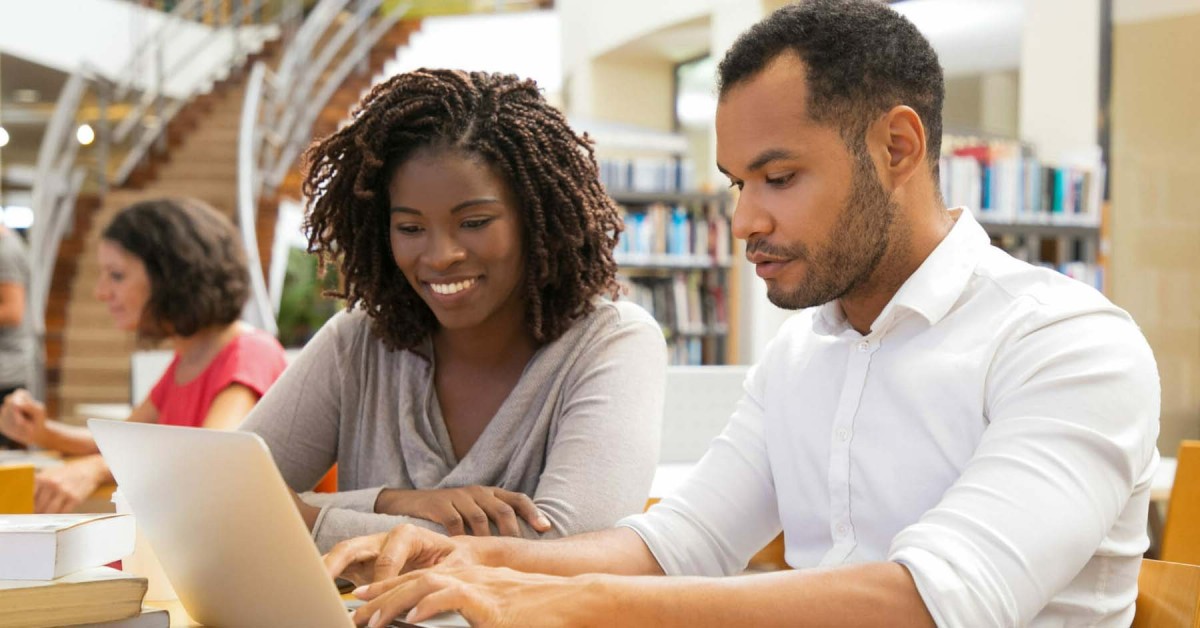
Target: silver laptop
(219, 516)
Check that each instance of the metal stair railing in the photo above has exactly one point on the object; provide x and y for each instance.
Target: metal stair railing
(143, 107)
(281, 107)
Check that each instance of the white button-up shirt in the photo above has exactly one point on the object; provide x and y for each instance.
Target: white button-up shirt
(994, 433)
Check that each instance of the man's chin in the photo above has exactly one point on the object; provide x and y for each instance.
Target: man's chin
(798, 298)
(785, 300)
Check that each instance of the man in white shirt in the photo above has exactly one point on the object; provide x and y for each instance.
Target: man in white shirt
(944, 434)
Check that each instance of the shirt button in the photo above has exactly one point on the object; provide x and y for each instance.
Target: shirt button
(843, 434)
(842, 529)
(864, 345)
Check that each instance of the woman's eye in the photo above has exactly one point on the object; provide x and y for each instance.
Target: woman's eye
(408, 229)
(735, 184)
(475, 223)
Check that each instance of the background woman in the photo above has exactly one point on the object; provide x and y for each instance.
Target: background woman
(170, 270)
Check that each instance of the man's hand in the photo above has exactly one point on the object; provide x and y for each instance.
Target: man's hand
(23, 419)
(407, 547)
(487, 597)
(62, 488)
(466, 509)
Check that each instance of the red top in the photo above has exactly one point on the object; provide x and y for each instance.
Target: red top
(254, 359)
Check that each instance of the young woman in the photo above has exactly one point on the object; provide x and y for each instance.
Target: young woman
(170, 270)
(479, 382)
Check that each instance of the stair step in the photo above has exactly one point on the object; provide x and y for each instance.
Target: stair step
(76, 347)
(96, 377)
(72, 394)
(201, 169)
(114, 362)
(85, 314)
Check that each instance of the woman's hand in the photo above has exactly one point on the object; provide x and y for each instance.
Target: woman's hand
(471, 508)
(23, 419)
(406, 547)
(62, 488)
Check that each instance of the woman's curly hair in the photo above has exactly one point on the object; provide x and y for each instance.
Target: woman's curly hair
(570, 224)
(194, 260)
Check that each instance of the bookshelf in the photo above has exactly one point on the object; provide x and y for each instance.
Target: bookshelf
(675, 260)
(1043, 213)
(675, 255)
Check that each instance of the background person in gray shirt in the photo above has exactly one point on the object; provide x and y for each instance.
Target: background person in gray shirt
(16, 331)
(478, 383)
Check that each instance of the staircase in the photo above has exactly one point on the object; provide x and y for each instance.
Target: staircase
(87, 358)
(94, 366)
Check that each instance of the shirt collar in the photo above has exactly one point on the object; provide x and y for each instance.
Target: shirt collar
(930, 291)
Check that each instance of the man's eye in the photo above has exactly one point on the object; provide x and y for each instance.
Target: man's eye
(736, 184)
(781, 180)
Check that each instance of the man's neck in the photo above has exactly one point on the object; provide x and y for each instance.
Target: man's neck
(913, 239)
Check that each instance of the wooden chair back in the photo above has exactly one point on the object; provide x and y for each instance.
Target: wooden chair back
(16, 489)
(1168, 595)
(1181, 531)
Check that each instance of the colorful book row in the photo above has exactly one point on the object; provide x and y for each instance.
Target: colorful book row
(676, 231)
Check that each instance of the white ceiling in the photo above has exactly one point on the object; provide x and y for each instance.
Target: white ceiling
(970, 36)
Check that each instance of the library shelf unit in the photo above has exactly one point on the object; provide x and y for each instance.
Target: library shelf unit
(1044, 214)
(675, 260)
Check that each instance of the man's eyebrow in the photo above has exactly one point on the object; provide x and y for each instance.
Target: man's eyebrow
(769, 155)
(400, 209)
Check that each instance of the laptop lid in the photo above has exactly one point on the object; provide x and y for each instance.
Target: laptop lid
(219, 517)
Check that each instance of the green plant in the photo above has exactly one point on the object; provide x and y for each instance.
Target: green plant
(302, 307)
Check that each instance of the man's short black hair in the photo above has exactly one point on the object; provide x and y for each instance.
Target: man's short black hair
(862, 58)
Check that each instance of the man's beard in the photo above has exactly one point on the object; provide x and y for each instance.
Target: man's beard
(856, 245)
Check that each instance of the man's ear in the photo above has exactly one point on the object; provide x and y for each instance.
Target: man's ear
(900, 139)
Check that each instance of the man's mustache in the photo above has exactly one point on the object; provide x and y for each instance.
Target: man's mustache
(761, 246)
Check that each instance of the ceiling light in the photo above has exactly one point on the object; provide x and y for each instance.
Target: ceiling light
(85, 134)
(3, 137)
(17, 217)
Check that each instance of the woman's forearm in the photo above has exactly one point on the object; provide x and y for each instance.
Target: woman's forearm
(68, 439)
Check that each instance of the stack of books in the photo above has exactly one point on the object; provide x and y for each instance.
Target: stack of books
(53, 573)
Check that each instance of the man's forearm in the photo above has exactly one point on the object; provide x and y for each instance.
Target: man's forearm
(873, 594)
(614, 551)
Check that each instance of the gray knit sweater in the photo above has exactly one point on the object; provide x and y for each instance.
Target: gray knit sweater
(579, 433)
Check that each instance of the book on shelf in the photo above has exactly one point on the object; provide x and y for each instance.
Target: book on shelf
(98, 594)
(1003, 182)
(691, 309)
(44, 547)
(1091, 274)
(647, 174)
(660, 233)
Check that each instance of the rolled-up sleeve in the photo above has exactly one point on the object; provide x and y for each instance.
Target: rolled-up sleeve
(1073, 418)
(601, 461)
(725, 510)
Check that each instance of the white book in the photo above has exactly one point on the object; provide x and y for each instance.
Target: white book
(44, 547)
